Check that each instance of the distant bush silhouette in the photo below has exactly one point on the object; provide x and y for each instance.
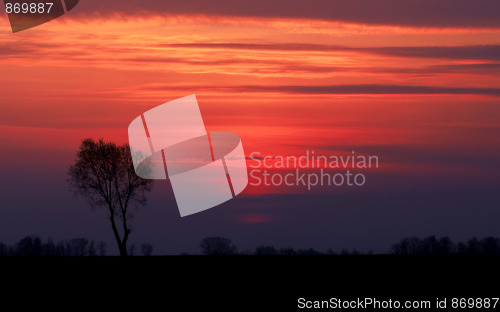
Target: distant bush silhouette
(147, 249)
(430, 245)
(308, 252)
(408, 245)
(265, 251)
(32, 246)
(217, 246)
(131, 250)
(28, 247)
(4, 250)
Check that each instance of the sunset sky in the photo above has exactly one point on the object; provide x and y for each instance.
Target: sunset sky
(416, 83)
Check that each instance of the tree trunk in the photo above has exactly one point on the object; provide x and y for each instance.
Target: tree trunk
(122, 245)
(123, 250)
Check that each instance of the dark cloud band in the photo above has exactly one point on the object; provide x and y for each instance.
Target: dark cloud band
(434, 13)
(339, 89)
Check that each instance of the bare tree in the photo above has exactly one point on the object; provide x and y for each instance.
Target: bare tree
(104, 175)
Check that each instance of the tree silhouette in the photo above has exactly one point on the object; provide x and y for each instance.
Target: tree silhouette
(131, 250)
(79, 246)
(92, 251)
(473, 246)
(147, 249)
(102, 249)
(265, 251)
(4, 250)
(490, 245)
(104, 175)
(408, 245)
(29, 246)
(49, 248)
(446, 246)
(217, 246)
(429, 245)
(288, 251)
